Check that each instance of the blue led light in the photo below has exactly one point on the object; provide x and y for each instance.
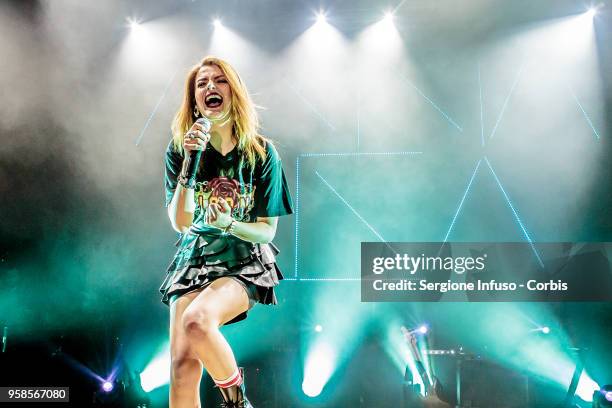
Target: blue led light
(297, 194)
(311, 106)
(323, 279)
(297, 212)
(350, 207)
(503, 110)
(585, 115)
(515, 214)
(353, 154)
(432, 103)
(450, 228)
(154, 111)
(481, 109)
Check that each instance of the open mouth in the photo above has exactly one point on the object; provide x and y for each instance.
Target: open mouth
(213, 100)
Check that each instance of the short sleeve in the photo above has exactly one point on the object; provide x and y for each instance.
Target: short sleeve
(174, 162)
(272, 196)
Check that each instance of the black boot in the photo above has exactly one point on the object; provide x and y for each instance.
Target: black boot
(235, 396)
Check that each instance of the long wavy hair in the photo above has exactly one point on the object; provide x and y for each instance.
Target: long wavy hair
(246, 122)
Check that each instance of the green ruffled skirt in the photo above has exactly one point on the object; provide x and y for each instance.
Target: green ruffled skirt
(202, 258)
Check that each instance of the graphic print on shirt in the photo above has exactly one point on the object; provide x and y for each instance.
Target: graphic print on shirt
(239, 196)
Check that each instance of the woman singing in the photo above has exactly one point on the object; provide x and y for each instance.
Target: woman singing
(227, 214)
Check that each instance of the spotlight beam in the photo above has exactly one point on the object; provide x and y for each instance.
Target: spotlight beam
(156, 374)
(591, 12)
(82, 367)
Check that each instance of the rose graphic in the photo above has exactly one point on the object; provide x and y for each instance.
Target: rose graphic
(226, 188)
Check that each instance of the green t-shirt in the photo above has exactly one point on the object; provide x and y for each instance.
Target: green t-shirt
(261, 191)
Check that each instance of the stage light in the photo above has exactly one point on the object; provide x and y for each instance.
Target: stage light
(107, 386)
(318, 369)
(397, 348)
(603, 398)
(230, 45)
(381, 44)
(423, 329)
(541, 329)
(133, 24)
(318, 328)
(321, 25)
(388, 17)
(321, 18)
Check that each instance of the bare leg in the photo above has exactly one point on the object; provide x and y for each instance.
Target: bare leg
(220, 302)
(186, 367)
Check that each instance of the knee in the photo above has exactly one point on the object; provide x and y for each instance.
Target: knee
(185, 371)
(199, 323)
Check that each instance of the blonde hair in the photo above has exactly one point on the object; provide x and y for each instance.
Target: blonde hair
(246, 122)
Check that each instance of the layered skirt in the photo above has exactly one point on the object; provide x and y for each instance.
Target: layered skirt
(202, 258)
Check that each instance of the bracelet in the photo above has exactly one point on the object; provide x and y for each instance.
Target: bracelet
(230, 228)
(185, 182)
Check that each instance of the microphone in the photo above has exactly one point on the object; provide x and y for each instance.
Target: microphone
(193, 161)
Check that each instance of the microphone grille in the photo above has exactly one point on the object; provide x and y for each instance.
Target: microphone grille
(205, 123)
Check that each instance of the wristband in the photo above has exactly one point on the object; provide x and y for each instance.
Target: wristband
(230, 228)
(185, 182)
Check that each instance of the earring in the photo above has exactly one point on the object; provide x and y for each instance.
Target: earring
(196, 112)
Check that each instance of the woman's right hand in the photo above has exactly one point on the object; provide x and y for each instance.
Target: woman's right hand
(195, 139)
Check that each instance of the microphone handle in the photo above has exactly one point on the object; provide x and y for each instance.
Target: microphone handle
(193, 164)
(194, 157)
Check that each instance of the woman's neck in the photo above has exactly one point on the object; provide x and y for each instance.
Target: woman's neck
(222, 138)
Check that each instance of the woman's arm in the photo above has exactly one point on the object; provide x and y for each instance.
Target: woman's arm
(181, 208)
(261, 231)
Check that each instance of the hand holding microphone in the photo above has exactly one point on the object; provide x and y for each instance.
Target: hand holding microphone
(197, 137)
(194, 143)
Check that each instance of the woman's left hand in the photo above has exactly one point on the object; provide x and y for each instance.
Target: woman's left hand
(219, 215)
